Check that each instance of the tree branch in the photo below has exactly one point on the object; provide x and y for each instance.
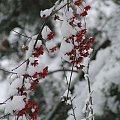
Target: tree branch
(39, 37)
(2, 117)
(22, 34)
(61, 70)
(7, 71)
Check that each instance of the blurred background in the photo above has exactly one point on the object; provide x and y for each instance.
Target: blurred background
(103, 22)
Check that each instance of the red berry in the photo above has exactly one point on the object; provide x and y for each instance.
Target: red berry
(87, 8)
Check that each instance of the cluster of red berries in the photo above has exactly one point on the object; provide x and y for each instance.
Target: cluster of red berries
(31, 109)
(38, 51)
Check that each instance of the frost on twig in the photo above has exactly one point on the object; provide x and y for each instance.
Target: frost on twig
(88, 108)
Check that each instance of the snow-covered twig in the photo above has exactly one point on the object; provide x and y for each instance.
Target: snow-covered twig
(88, 105)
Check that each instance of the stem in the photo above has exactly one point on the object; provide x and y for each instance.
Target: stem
(22, 34)
(20, 65)
(70, 81)
(4, 116)
(44, 22)
(7, 71)
(89, 87)
(73, 109)
(62, 70)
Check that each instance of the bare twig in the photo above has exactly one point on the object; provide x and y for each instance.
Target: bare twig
(6, 100)
(20, 64)
(22, 34)
(73, 109)
(2, 117)
(89, 89)
(64, 72)
(44, 22)
(61, 70)
(70, 81)
(7, 71)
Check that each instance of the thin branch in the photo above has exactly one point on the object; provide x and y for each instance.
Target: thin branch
(68, 5)
(54, 12)
(6, 100)
(69, 84)
(44, 22)
(51, 72)
(7, 71)
(22, 34)
(20, 64)
(61, 70)
(2, 117)
(39, 35)
(64, 72)
(73, 109)
(89, 88)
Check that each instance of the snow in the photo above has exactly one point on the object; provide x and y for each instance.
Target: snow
(66, 97)
(27, 85)
(21, 70)
(65, 47)
(104, 73)
(85, 63)
(16, 104)
(50, 44)
(67, 30)
(97, 65)
(78, 102)
(34, 37)
(66, 94)
(45, 32)
(39, 43)
(67, 15)
(30, 49)
(3, 91)
(13, 88)
(31, 59)
(46, 12)
(75, 1)
(39, 68)
(31, 46)
(13, 37)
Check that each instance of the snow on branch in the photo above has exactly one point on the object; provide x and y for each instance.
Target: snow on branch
(75, 49)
